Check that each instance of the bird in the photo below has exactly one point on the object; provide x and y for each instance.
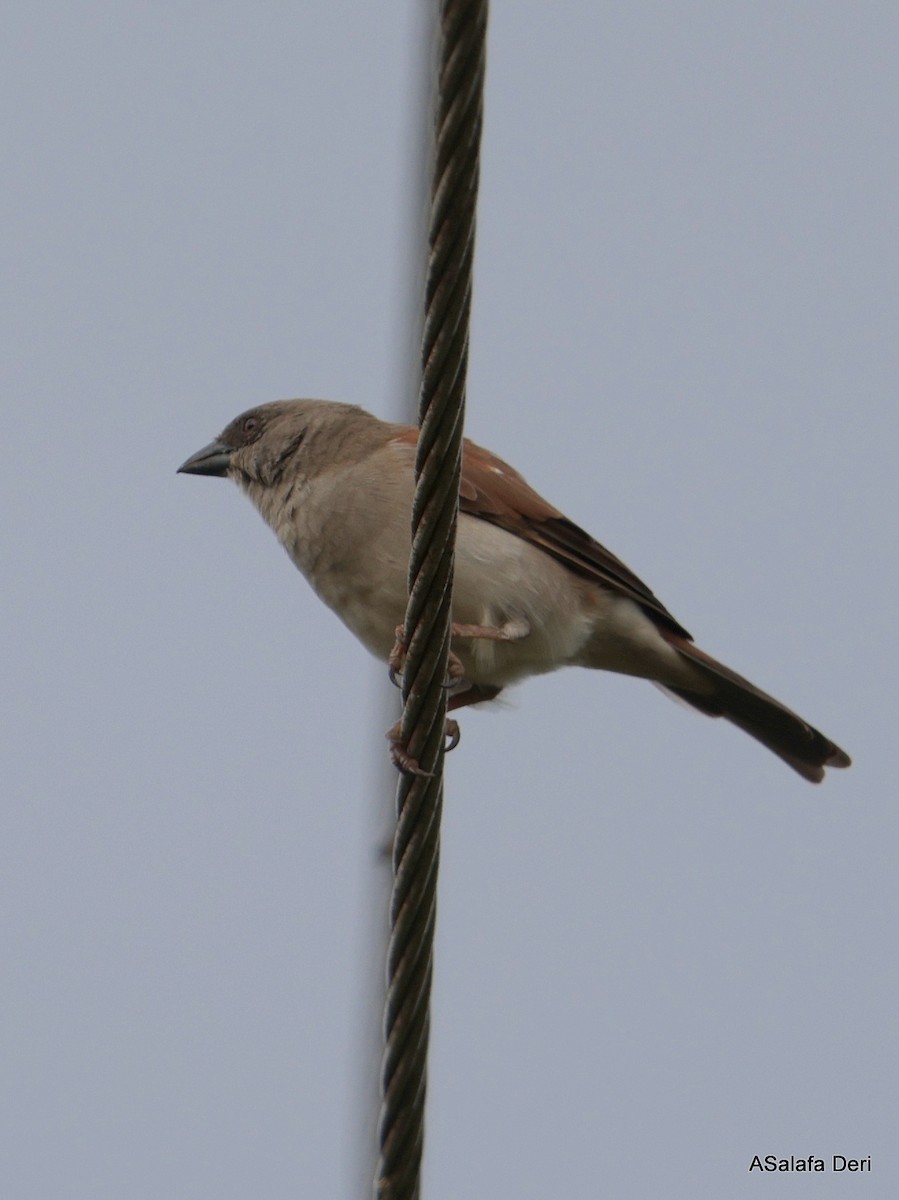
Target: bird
(532, 591)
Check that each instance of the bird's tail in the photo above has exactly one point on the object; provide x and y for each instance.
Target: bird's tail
(799, 744)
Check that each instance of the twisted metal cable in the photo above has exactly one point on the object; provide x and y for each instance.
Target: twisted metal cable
(463, 25)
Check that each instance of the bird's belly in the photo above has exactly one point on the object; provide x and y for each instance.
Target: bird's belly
(503, 581)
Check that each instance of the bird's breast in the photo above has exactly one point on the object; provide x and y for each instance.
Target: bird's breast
(350, 538)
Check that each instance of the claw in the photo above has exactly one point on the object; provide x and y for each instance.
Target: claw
(407, 764)
(455, 672)
(396, 659)
(404, 761)
(454, 669)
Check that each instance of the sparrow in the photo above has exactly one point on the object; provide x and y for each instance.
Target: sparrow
(532, 591)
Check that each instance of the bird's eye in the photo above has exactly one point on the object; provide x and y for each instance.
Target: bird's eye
(250, 424)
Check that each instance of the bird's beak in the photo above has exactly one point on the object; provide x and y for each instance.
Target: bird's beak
(214, 459)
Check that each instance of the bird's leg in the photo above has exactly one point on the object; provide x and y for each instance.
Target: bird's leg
(509, 631)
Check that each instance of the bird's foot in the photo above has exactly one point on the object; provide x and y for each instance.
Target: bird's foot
(396, 662)
(455, 672)
(404, 761)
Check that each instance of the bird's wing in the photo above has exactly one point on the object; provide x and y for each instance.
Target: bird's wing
(495, 492)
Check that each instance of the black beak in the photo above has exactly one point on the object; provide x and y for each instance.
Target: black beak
(214, 459)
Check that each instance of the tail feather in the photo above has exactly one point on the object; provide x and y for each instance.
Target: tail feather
(731, 696)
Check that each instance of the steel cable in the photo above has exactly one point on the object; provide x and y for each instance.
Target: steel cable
(458, 120)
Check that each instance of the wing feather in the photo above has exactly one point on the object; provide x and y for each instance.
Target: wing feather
(493, 491)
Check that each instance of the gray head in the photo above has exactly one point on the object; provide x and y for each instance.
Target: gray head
(293, 436)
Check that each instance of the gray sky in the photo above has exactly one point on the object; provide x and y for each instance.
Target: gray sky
(660, 952)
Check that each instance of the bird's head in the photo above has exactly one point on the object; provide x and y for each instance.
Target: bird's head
(286, 437)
